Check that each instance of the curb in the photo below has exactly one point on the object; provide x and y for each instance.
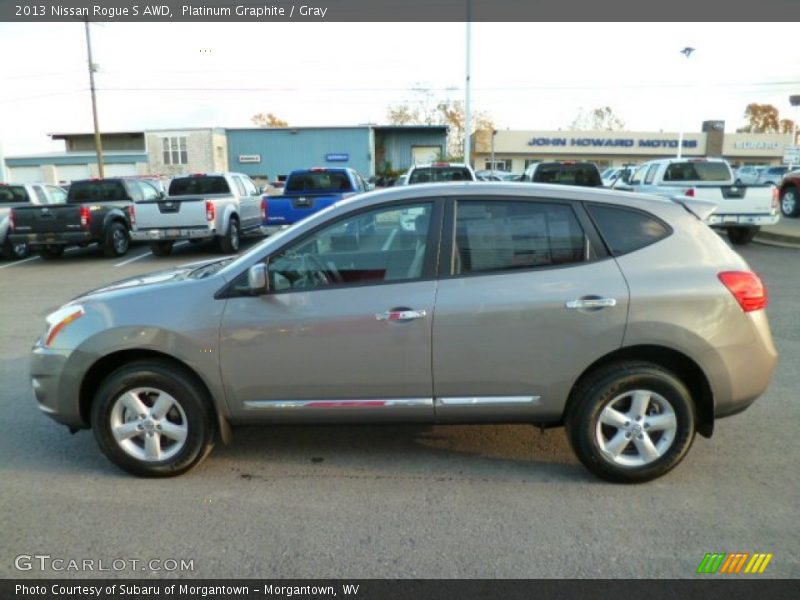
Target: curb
(776, 239)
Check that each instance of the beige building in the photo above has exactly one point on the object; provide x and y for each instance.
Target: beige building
(175, 151)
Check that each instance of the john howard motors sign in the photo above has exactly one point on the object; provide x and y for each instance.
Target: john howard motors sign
(601, 142)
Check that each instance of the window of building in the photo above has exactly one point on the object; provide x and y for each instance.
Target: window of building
(174, 150)
(505, 236)
(500, 164)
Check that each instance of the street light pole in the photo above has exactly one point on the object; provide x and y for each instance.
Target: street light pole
(494, 133)
(97, 142)
(687, 52)
(467, 106)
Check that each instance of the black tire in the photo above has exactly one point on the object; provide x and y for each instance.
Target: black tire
(191, 413)
(15, 251)
(162, 248)
(229, 242)
(790, 202)
(117, 240)
(665, 397)
(51, 251)
(740, 236)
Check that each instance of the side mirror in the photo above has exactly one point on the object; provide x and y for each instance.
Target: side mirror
(257, 279)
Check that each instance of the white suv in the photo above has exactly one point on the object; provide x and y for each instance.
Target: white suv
(439, 172)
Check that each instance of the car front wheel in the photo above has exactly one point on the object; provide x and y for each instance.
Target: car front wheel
(153, 419)
(790, 207)
(631, 422)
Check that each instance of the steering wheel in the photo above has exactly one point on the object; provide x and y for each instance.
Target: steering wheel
(314, 270)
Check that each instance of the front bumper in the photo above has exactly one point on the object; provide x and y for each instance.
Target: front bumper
(172, 233)
(55, 386)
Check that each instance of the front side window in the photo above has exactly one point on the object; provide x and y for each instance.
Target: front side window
(496, 236)
(383, 245)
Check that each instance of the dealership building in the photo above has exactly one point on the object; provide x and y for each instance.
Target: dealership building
(515, 150)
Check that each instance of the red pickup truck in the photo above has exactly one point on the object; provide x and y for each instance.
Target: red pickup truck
(790, 194)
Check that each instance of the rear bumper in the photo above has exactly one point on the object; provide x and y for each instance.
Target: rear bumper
(172, 233)
(53, 239)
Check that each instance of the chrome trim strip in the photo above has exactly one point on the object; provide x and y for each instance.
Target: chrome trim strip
(487, 400)
(357, 403)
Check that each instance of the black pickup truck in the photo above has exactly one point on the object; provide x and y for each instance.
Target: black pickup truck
(96, 211)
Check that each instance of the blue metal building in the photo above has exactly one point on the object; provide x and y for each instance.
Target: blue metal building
(369, 149)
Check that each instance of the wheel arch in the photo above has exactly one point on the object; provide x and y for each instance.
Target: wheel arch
(97, 373)
(686, 369)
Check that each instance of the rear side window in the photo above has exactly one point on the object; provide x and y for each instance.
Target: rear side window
(566, 174)
(190, 186)
(439, 174)
(697, 171)
(96, 191)
(625, 230)
(504, 236)
(13, 193)
(319, 181)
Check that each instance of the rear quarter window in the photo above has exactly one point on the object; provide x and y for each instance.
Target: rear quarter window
(625, 230)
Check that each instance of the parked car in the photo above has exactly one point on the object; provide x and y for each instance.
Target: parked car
(748, 175)
(622, 317)
(566, 172)
(16, 195)
(773, 175)
(790, 194)
(741, 210)
(438, 172)
(200, 207)
(96, 211)
(308, 191)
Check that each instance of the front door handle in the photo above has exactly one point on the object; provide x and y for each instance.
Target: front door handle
(403, 314)
(591, 303)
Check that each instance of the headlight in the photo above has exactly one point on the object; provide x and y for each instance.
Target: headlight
(58, 320)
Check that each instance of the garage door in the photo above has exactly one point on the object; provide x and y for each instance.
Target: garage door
(120, 170)
(72, 172)
(24, 174)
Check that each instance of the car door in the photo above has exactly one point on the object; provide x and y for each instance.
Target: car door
(345, 330)
(528, 299)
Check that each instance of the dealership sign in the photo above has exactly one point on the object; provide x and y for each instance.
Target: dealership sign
(609, 142)
(340, 157)
(249, 158)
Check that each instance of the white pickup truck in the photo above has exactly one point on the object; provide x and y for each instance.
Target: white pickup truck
(15, 195)
(198, 207)
(741, 209)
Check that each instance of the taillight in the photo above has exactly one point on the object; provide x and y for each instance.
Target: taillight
(211, 212)
(11, 220)
(689, 192)
(86, 217)
(746, 287)
(264, 209)
(775, 199)
(132, 215)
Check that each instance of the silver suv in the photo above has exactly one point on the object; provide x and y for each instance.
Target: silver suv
(620, 316)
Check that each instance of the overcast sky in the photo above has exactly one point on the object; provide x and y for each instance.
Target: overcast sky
(525, 75)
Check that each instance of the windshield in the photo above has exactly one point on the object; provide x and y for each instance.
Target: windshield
(319, 181)
(198, 185)
(439, 174)
(565, 174)
(698, 171)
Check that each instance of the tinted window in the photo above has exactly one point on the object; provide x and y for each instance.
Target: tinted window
(439, 174)
(697, 171)
(319, 181)
(13, 193)
(188, 186)
(387, 244)
(567, 174)
(626, 230)
(96, 191)
(501, 236)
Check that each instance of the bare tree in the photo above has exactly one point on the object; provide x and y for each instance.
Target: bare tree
(764, 118)
(268, 120)
(597, 119)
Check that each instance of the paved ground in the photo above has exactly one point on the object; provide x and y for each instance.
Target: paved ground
(480, 501)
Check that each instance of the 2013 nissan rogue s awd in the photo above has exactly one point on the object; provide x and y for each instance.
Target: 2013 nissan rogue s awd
(621, 316)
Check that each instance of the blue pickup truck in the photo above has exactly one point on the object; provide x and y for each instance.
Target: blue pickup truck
(308, 191)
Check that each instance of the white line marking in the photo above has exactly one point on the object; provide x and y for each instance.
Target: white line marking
(19, 262)
(135, 258)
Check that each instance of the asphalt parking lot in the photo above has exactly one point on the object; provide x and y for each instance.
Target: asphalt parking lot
(386, 501)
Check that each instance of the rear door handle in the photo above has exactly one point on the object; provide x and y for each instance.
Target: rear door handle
(401, 315)
(591, 303)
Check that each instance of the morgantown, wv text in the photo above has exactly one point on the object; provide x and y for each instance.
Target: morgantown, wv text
(125, 590)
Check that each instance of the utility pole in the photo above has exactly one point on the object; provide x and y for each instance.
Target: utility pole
(687, 52)
(97, 143)
(467, 106)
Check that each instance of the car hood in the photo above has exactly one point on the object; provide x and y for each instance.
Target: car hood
(195, 270)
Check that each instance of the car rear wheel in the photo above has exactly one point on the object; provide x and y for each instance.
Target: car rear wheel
(631, 422)
(741, 235)
(790, 207)
(229, 242)
(117, 240)
(15, 250)
(51, 251)
(153, 419)
(161, 248)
